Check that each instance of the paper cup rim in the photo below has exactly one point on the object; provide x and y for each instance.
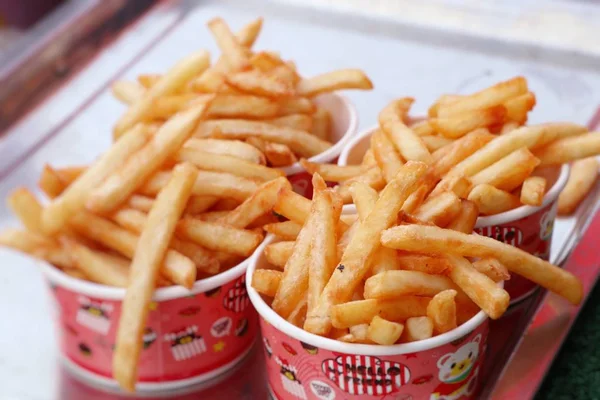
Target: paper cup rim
(497, 219)
(100, 291)
(290, 330)
(337, 148)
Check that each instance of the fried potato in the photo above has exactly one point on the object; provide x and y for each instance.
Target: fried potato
(278, 253)
(533, 191)
(321, 124)
(384, 332)
(428, 264)
(584, 174)
(441, 310)
(346, 315)
(266, 281)
(229, 45)
(417, 328)
(459, 125)
(333, 172)
(27, 208)
(127, 92)
(387, 157)
(569, 149)
(509, 172)
(287, 230)
(335, 80)
(492, 268)
(490, 200)
(392, 284)
(439, 210)
(466, 218)
(258, 83)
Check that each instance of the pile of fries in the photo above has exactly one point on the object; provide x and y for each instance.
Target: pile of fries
(479, 150)
(384, 276)
(256, 97)
(182, 194)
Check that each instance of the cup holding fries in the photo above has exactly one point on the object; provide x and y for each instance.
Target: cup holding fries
(527, 227)
(302, 365)
(190, 336)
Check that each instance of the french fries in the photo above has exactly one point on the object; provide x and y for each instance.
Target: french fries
(336, 80)
(266, 281)
(384, 332)
(490, 201)
(533, 191)
(391, 284)
(438, 240)
(346, 315)
(568, 149)
(417, 328)
(509, 172)
(441, 310)
(583, 177)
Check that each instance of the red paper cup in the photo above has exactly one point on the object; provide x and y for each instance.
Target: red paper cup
(528, 228)
(191, 336)
(301, 365)
(344, 122)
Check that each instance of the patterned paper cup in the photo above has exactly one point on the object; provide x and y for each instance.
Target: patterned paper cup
(304, 366)
(528, 228)
(344, 122)
(191, 336)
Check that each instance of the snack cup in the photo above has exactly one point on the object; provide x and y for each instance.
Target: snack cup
(344, 122)
(301, 365)
(527, 227)
(191, 336)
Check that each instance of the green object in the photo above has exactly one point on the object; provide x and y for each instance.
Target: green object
(575, 374)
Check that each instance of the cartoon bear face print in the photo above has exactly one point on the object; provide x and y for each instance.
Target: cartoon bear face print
(457, 366)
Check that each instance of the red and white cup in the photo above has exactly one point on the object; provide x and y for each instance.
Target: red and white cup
(191, 336)
(344, 123)
(527, 227)
(304, 366)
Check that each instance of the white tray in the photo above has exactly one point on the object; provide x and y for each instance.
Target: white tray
(75, 124)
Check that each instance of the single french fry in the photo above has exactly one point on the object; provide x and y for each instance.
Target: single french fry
(73, 198)
(509, 127)
(294, 284)
(50, 183)
(481, 289)
(333, 172)
(120, 184)
(364, 197)
(345, 238)
(440, 209)
(368, 160)
(392, 284)
(219, 237)
(532, 137)
(27, 208)
(266, 281)
(323, 253)
(457, 184)
(98, 267)
(279, 155)
(444, 99)
(301, 122)
(150, 252)
(260, 203)
(428, 264)
(442, 311)
(301, 142)
(492, 268)
(176, 267)
(242, 106)
(233, 148)
(533, 191)
(298, 315)
(458, 125)
(140, 203)
(417, 328)
(346, 315)
(423, 128)
(167, 106)
(466, 218)
(353, 265)
(295, 105)
(258, 83)
(384, 332)
(435, 143)
(490, 200)
(278, 253)
(229, 45)
(287, 230)
(225, 163)
(174, 79)
(489, 97)
(409, 144)
(569, 149)
(518, 107)
(356, 334)
(148, 80)
(387, 157)
(584, 174)
(321, 124)
(127, 92)
(509, 172)
(335, 80)
(37, 246)
(292, 206)
(372, 177)
(437, 240)
(215, 184)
